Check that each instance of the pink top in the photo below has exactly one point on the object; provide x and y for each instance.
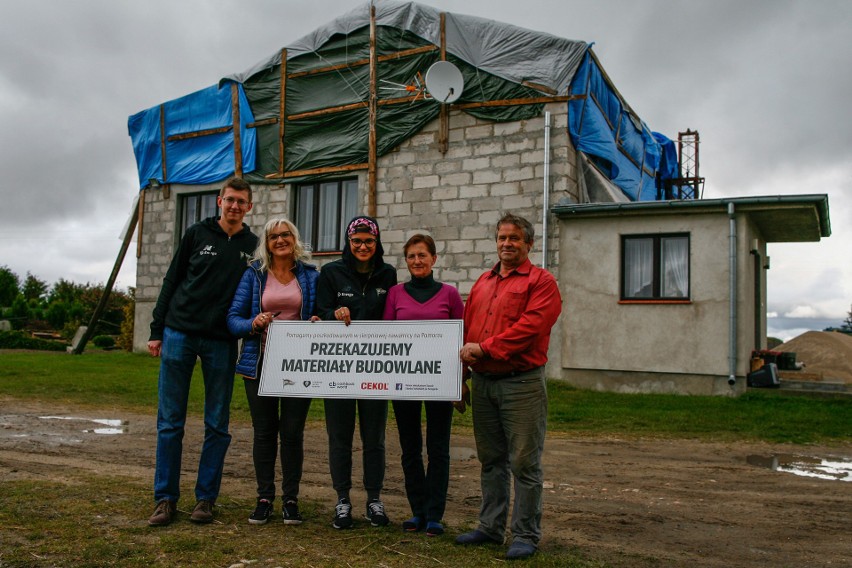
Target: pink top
(446, 304)
(283, 298)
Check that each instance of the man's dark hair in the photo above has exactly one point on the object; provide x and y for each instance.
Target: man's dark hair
(420, 238)
(238, 184)
(519, 222)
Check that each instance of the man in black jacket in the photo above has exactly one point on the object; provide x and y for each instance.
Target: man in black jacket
(189, 324)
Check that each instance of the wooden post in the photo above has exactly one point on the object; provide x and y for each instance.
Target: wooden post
(140, 216)
(373, 112)
(163, 142)
(96, 316)
(235, 116)
(282, 109)
(444, 117)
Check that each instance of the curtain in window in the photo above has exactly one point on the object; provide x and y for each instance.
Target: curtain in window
(305, 215)
(328, 223)
(638, 268)
(675, 267)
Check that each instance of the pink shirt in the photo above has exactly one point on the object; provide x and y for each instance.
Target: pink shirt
(446, 304)
(284, 298)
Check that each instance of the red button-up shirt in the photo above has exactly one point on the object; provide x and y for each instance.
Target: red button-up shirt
(511, 318)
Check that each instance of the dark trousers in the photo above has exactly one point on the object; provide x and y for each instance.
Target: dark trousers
(425, 487)
(340, 425)
(277, 419)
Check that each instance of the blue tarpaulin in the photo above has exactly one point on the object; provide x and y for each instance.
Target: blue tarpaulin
(603, 126)
(193, 160)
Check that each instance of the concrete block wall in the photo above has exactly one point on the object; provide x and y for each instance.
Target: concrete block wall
(489, 168)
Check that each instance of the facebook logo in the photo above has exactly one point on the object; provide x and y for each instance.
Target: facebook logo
(399, 386)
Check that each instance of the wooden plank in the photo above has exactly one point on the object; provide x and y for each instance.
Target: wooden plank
(102, 303)
(199, 133)
(141, 214)
(235, 118)
(325, 111)
(372, 142)
(319, 171)
(163, 141)
(264, 122)
(444, 116)
(282, 104)
(520, 102)
(362, 62)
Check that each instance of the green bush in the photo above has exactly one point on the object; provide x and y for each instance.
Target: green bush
(103, 341)
(20, 340)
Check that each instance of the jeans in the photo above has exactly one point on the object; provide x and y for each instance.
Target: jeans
(277, 419)
(340, 425)
(177, 361)
(426, 488)
(509, 425)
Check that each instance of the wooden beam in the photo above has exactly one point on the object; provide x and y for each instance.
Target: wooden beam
(373, 115)
(330, 110)
(141, 214)
(362, 62)
(444, 116)
(282, 104)
(199, 133)
(235, 118)
(319, 171)
(264, 122)
(163, 141)
(520, 102)
(102, 303)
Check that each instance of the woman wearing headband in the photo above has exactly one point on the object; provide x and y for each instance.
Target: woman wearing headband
(355, 288)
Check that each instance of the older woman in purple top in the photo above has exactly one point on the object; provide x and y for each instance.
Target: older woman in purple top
(422, 298)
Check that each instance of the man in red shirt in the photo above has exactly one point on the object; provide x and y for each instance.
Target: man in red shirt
(507, 322)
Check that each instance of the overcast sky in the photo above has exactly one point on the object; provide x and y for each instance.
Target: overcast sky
(767, 84)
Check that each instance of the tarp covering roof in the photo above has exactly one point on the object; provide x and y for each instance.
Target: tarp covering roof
(326, 118)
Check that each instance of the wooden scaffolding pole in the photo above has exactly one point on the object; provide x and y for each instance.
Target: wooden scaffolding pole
(444, 117)
(282, 105)
(235, 116)
(373, 112)
(96, 316)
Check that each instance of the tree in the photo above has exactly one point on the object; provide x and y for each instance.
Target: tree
(9, 283)
(847, 323)
(33, 288)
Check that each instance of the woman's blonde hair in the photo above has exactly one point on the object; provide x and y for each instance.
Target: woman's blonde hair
(261, 253)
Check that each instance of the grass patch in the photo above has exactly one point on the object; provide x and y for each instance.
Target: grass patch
(129, 381)
(95, 521)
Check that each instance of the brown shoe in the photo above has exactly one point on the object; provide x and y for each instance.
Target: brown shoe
(203, 512)
(163, 514)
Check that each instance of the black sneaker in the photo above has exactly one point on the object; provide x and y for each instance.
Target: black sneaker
(342, 514)
(261, 513)
(290, 513)
(376, 513)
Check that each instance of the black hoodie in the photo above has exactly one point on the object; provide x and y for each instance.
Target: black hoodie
(340, 284)
(201, 280)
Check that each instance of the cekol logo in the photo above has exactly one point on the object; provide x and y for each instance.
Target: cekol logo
(374, 386)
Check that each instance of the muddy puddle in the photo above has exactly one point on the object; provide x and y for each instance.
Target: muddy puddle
(833, 467)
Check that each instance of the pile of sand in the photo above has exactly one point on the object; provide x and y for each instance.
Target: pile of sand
(826, 352)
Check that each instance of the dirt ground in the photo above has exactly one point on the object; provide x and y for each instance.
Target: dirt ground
(625, 502)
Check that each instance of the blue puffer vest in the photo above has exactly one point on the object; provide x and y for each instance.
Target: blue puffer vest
(246, 306)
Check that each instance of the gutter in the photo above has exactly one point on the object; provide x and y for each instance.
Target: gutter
(732, 292)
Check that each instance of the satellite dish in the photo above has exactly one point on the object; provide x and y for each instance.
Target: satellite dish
(444, 82)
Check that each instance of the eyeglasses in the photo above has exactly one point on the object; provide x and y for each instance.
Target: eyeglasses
(275, 236)
(369, 243)
(229, 201)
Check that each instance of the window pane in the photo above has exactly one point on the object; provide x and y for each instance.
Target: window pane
(305, 215)
(208, 205)
(329, 201)
(674, 267)
(638, 268)
(349, 206)
(190, 212)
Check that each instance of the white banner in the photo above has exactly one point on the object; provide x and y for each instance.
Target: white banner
(416, 360)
